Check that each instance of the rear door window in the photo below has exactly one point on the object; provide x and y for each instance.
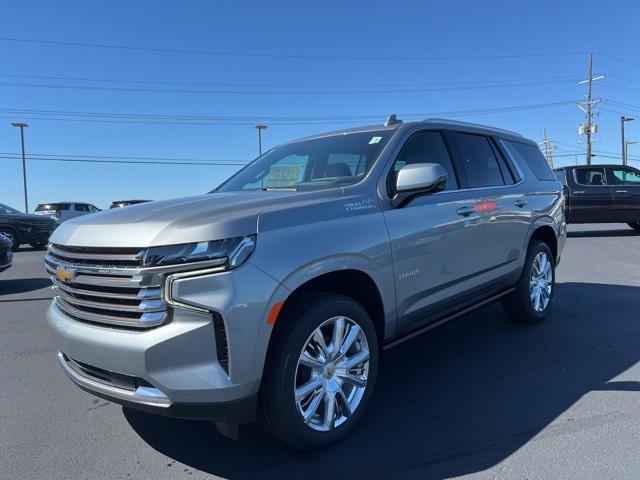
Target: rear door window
(81, 207)
(623, 176)
(479, 162)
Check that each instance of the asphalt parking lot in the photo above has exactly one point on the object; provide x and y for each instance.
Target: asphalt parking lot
(480, 398)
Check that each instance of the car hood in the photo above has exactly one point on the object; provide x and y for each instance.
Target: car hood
(184, 220)
(24, 217)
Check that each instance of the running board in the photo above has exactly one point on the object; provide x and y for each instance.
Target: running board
(446, 319)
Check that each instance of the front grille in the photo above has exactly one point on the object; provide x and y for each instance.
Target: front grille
(106, 285)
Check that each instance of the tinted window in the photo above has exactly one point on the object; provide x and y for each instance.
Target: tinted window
(52, 207)
(623, 176)
(561, 176)
(4, 209)
(478, 160)
(425, 147)
(93, 209)
(590, 176)
(532, 156)
(81, 207)
(325, 162)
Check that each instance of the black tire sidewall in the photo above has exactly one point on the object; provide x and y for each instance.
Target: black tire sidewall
(294, 431)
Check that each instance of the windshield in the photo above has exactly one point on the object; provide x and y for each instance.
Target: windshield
(7, 210)
(332, 161)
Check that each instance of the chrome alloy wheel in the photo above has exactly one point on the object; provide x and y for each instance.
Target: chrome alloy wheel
(541, 282)
(331, 375)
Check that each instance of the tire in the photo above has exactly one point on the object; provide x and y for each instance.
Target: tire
(281, 412)
(523, 304)
(11, 234)
(38, 246)
(635, 226)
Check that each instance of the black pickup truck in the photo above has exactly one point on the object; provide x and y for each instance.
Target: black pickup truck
(601, 194)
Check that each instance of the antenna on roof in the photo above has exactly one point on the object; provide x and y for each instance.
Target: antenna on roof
(392, 120)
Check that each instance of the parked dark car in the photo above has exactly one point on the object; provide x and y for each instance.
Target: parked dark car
(6, 255)
(126, 203)
(23, 228)
(601, 194)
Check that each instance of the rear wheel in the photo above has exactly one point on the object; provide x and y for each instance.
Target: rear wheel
(531, 301)
(11, 235)
(635, 225)
(321, 371)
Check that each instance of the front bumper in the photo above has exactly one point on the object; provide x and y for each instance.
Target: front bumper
(176, 364)
(152, 400)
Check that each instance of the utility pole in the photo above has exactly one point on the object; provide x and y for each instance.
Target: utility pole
(260, 128)
(548, 148)
(623, 120)
(589, 128)
(22, 126)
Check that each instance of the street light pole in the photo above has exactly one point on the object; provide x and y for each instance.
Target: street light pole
(624, 119)
(626, 150)
(22, 126)
(260, 128)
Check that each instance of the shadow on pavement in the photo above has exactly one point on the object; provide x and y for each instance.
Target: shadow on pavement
(622, 232)
(456, 401)
(23, 285)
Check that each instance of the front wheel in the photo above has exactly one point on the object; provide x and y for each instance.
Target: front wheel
(320, 371)
(635, 225)
(531, 301)
(10, 234)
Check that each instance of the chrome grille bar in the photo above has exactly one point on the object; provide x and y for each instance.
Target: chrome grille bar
(109, 285)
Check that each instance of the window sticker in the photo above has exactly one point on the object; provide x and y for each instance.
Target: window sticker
(374, 140)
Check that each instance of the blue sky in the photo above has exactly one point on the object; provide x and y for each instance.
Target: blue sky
(320, 56)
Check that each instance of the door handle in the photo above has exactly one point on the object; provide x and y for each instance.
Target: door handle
(520, 203)
(578, 191)
(465, 211)
(622, 191)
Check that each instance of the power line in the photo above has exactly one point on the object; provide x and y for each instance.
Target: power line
(283, 92)
(126, 162)
(283, 56)
(238, 162)
(129, 118)
(272, 85)
(620, 59)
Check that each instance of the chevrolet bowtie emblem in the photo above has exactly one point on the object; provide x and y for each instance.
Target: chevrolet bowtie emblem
(65, 275)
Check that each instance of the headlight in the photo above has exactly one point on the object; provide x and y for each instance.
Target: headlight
(235, 250)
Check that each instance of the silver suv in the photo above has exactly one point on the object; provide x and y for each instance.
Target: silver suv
(273, 296)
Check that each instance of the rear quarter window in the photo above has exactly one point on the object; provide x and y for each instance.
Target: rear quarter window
(530, 155)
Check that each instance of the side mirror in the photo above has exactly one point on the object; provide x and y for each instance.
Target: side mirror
(416, 179)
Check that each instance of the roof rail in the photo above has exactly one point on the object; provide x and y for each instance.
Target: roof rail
(470, 124)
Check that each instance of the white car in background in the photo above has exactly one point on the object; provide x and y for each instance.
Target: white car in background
(63, 211)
